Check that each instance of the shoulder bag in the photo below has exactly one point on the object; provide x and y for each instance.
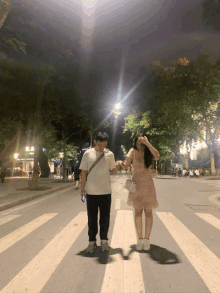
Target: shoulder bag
(130, 185)
(93, 165)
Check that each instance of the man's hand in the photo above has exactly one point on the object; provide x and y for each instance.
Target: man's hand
(83, 192)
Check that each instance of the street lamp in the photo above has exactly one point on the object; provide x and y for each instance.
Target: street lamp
(118, 106)
(16, 156)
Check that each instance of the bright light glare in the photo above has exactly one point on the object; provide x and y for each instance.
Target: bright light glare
(118, 106)
(89, 3)
(16, 155)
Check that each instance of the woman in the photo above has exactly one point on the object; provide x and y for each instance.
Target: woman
(141, 156)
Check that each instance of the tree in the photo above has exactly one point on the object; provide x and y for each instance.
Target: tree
(181, 99)
(63, 112)
(210, 9)
(183, 103)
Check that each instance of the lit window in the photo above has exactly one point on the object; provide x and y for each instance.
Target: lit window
(32, 149)
(27, 149)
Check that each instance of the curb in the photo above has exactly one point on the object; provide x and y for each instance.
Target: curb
(157, 177)
(23, 200)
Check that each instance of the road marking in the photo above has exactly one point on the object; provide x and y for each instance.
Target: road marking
(8, 219)
(210, 219)
(123, 276)
(20, 233)
(204, 261)
(214, 199)
(37, 200)
(34, 276)
(117, 204)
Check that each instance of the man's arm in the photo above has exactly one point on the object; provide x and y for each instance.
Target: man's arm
(83, 181)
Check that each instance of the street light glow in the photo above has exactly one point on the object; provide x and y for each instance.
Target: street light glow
(16, 155)
(118, 106)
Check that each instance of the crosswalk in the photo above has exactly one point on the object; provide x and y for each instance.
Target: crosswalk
(120, 275)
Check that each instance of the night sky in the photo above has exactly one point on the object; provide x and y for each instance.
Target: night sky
(140, 31)
(134, 32)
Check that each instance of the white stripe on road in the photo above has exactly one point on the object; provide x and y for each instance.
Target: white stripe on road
(20, 233)
(123, 276)
(34, 276)
(117, 204)
(8, 219)
(205, 262)
(210, 219)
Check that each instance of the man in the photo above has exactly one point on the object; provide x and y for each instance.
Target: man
(179, 173)
(3, 174)
(197, 173)
(98, 189)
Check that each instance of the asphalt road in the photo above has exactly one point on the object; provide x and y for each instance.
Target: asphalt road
(43, 242)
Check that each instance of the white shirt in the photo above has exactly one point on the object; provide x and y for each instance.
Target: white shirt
(197, 172)
(184, 172)
(98, 180)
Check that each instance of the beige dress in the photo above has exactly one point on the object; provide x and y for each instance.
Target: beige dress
(145, 194)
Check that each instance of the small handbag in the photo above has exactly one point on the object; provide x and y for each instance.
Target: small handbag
(130, 185)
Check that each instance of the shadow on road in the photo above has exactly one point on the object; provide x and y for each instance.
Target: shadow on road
(156, 253)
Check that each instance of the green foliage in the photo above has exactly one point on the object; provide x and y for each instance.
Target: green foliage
(16, 44)
(54, 147)
(5, 4)
(8, 129)
(184, 99)
(53, 151)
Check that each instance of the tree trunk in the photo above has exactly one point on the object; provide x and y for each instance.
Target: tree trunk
(5, 8)
(35, 179)
(64, 163)
(213, 171)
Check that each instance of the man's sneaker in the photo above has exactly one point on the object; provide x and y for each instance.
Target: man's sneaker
(146, 245)
(104, 245)
(140, 244)
(92, 246)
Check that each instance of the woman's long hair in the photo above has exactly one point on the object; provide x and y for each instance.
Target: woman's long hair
(148, 157)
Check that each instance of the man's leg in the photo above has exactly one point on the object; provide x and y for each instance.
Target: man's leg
(92, 212)
(105, 209)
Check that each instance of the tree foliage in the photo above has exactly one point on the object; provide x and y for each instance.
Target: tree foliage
(183, 100)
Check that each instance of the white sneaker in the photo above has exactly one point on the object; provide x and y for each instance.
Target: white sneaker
(140, 244)
(146, 244)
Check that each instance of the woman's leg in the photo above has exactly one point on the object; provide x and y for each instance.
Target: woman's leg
(77, 183)
(148, 222)
(138, 222)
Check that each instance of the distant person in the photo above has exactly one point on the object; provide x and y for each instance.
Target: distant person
(197, 173)
(179, 173)
(3, 174)
(72, 169)
(184, 172)
(77, 173)
(191, 174)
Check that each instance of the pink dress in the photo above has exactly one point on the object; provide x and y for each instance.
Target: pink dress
(145, 194)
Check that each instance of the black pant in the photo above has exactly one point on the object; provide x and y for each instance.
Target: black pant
(104, 203)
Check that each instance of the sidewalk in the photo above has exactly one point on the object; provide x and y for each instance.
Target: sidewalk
(11, 193)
